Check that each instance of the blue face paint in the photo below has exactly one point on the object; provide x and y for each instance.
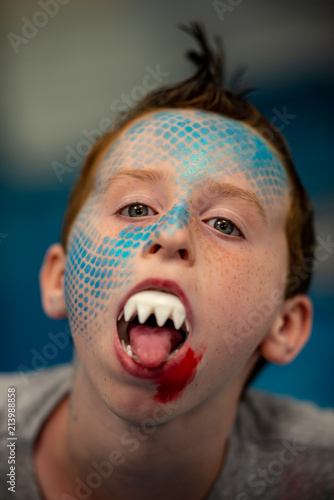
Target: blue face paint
(95, 271)
(193, 146)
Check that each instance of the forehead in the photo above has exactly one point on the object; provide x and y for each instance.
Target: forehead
(195, 146)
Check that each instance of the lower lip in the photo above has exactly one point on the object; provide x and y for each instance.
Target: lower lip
(172, 377)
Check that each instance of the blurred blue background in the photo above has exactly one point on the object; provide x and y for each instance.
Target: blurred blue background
(62, 72)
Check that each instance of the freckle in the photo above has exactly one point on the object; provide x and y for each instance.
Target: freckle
(105, 379)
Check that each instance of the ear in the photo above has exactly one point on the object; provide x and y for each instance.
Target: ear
(51, 280)
(290, 331)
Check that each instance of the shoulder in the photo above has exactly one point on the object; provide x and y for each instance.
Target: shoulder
(27, 379)
(26, 401)
(33, 391)
(28, 382)
(280, 418)
(283, 448)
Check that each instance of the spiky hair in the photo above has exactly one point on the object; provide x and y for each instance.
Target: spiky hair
(205, 89)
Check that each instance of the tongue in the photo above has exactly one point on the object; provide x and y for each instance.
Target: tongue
(152, 344)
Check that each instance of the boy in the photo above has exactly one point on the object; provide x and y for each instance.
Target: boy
(186, 221)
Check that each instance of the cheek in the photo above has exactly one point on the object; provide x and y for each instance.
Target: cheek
(240, 294)
(98, 267)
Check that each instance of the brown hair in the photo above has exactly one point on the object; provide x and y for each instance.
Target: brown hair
(204, 90)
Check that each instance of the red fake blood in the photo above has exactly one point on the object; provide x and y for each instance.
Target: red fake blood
(176, 381)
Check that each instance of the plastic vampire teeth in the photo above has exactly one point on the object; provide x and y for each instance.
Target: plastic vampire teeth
(156, 342)
(163, 305)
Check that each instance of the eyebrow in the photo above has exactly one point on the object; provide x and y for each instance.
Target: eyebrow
(227, 190)
(210, 187)
(148, 175)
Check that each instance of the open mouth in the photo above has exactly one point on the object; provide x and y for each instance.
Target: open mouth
(152, 327)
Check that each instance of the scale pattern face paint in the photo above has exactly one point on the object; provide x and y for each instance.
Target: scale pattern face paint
(193, 146)
(198, 144)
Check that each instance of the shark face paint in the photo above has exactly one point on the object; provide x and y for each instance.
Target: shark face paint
(191, 148)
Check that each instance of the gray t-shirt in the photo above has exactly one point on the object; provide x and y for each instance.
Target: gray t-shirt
(278, 449)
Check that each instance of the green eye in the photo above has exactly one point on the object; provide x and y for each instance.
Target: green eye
(225, 226)
(137, 210)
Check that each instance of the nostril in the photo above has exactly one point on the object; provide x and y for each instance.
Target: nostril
(183, 254)
(154, 248)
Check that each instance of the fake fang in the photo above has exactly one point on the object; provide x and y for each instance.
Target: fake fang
(154, 327)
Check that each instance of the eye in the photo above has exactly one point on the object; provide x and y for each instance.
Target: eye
(137, 210)
(225, 226)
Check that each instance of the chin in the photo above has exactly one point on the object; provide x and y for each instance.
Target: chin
(137, 406)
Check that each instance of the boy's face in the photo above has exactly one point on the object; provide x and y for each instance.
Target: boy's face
(197, 204)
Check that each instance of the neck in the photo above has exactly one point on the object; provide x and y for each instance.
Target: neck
(109, 457)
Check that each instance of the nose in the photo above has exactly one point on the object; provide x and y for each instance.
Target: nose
(172, 242)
